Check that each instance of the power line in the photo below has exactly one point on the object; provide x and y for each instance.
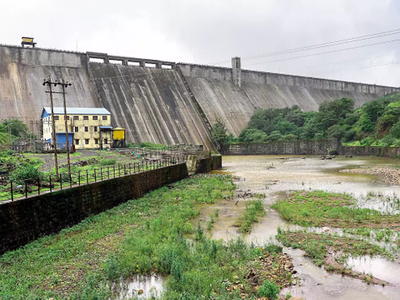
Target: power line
(366, 67)
(329, 44)
(326, 52)
(350, 61)
(322, 45)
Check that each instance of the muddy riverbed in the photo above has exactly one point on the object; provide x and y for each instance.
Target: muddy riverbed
(272, 175)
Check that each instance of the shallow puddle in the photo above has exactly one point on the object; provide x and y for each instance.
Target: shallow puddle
(378, 267)
(141, 287)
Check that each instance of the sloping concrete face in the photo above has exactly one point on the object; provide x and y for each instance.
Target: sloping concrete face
(22, 72)
(166, 106)
(221, 99)
(153, 104)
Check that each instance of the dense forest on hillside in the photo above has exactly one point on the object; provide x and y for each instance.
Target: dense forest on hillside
(376, 123)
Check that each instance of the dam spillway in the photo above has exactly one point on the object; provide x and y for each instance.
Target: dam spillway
(170, 105)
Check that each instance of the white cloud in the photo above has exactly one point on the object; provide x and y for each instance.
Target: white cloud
(209, 30)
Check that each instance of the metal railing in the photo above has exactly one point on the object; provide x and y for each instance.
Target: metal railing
(49, 184)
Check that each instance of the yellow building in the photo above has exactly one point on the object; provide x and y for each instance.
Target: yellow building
(88, 128)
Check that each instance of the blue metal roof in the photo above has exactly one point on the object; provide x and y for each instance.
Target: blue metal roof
(105, 127)
(76, 111)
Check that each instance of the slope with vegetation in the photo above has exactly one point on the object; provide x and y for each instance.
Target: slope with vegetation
(153, 234)
(376, 123)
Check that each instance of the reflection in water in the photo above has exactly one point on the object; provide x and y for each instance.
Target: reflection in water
(378, 267)
(141, 287)
(273, 174)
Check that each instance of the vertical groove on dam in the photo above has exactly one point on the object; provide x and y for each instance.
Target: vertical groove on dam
(153, 103)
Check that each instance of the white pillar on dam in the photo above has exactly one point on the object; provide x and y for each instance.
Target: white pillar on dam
(236, 71)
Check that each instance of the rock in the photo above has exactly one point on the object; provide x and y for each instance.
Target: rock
(296, 298)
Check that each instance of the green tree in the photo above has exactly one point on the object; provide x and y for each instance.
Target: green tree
(251, 135)
(395, 131)
(218, 134)
(334, 112)
(17, 127)
(275, 136)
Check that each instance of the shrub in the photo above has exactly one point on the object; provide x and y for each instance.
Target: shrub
(269, 290)
(107, 162)
(152, 145)
(131, 145)
(24, 173)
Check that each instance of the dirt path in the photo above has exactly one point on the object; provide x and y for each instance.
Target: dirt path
(50, 162)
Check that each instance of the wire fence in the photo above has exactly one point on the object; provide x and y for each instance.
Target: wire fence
(49, 184)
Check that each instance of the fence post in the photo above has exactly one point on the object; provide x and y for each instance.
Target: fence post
(108, 172)
(114, 171)
(12, 191)
(130, 171)
(124, 169)
(119, 170)
(51, 189)
(26, 190)
(134, 168)
(101, 173)
(95, 175)
(60, 181)
(38, 182)
(70, 180)
(87, 177)
(79, 178)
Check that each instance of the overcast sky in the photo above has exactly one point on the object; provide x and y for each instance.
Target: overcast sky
(211, 31)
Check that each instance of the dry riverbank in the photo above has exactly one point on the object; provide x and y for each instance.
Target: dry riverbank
(388, 175)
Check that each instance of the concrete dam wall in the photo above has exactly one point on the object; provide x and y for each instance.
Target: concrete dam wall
(168, 106)
(22, 72)
(220, 98)
(153, 104)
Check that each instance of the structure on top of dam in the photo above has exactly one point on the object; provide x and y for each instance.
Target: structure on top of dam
(161, 101)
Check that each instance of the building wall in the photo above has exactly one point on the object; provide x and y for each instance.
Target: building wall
(81, 135)
(25, 220)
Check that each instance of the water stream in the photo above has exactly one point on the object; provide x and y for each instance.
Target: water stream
(273, 174)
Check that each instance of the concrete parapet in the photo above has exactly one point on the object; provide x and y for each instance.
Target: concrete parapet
(125, 60)
(259, 77)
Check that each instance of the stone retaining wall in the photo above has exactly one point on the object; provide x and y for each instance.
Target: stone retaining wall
(281, 148)
(308, 148)
(25, 220)
(390, 152)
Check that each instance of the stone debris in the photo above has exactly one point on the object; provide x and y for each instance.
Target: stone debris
(388, 175)
(274, 267)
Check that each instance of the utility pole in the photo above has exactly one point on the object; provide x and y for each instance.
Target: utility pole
(48, 82)
(9, 135)
(65, 85)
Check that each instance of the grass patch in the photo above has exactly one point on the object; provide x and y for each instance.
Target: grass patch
(319, 208)
(330, 251)
(143, 236)
(254, 210)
